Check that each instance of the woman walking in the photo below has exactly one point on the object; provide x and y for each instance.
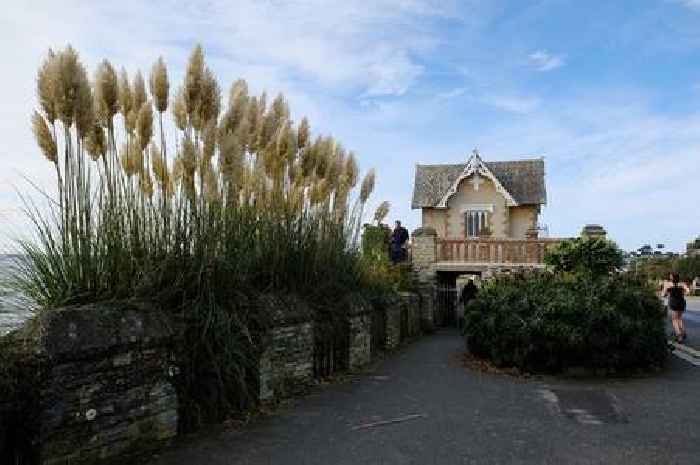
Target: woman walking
(676, 293)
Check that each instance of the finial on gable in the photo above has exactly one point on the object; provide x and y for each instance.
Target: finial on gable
(475, 152)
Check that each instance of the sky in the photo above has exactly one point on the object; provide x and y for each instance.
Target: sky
(607, 92)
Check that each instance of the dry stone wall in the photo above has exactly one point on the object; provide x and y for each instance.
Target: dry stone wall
(287, 364)
(360, 351)
(411, 312)
(108, 391)
(105, 374)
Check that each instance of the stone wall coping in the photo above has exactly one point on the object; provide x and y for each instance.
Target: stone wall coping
(78, 332)
(425, 231)
(284, 309)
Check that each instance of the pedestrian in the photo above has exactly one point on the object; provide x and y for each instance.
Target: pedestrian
(399, 238)
(468, 293)
(676, 292)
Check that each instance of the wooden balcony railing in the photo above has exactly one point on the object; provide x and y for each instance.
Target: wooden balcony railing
(494, 250)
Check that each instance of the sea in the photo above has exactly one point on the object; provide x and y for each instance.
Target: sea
(13, 312)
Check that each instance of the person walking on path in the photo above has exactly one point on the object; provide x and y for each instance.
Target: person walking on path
(468, 293)
(676, 292)
(399, 237)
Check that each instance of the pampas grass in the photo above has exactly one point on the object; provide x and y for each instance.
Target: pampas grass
(243, 202)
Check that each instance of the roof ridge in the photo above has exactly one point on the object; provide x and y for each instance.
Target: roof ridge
(442, 164)
(521, 160)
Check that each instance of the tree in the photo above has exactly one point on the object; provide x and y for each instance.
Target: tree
(593, 256)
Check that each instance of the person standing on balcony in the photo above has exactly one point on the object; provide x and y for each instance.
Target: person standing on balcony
(399, 238)
(676, 293)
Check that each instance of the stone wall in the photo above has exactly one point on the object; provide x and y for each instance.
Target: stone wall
(426, 293)
(286, 365)
(108, 391)
(360, 350)
(393, 324)
(424, 253)
(410, 306)
(105, 390)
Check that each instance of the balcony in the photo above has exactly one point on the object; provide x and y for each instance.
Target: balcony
(483, 253)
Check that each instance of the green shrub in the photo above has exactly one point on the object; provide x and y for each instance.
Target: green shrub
(381, 274)
(544, 322)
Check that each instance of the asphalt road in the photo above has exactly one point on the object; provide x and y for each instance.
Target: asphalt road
(422, 406)
(692, 323)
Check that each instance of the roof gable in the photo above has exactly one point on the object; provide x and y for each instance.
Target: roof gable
(523, 180)
(476, 167)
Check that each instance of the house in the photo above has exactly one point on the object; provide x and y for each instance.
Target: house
(479, 217)
(479, 199)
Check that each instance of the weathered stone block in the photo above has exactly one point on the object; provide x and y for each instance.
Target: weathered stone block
(360, 319)
(410, 306)
(427, 308)
(393, 324)
(286, 363)
(107, 392)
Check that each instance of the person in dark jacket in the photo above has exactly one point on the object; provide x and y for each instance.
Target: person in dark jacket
(676, 293)
(399, 238)
(468, 293)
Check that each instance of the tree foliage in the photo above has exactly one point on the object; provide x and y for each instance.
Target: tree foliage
(656, 268)
(596, 257)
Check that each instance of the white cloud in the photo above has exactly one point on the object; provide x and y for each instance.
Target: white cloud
(392, 73)
(695, 4)
(364, 71)
(512, 103)
(544, 61)
(450, 94)
(323, 55)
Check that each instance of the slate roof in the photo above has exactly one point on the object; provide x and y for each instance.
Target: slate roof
(523, 179)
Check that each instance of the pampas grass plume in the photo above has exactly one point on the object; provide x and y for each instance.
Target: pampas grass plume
(303, 133)
(84, 106)
(43, 137)
(381, 212)
(124, 88)
(367, 186)
(193, 80)
(144, 125)
(45, 83)
(138, 95)
(67, 81)
(96, 144)
(209, 99)
(106, 91)
(351, 170)
(180, 111)
(160, 86)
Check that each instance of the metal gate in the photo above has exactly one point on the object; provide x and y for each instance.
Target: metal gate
(446, 305)
(331, 348)
(378, 340)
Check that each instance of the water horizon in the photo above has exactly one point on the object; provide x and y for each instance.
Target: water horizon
(13, 313)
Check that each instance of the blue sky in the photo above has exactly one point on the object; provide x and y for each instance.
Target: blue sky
(608, 92)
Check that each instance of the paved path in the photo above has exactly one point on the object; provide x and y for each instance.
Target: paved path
(692, 322)
(467, 417)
